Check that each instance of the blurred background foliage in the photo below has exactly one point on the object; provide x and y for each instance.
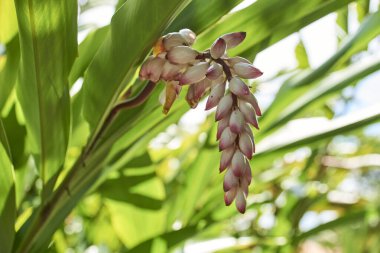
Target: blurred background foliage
(152, 184)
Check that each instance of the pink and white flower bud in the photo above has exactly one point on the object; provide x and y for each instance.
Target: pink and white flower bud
(227, 139)
(216, 94)
(238, 164)
(173, 40)
(244, 185)
(222, 124)
(238, 87)
(230, 181)
(218, 48)
(182, 55)
(236, 121)
(250, 98)
(234, 39)
(249, 113)
(196, 92)
(229, 196)
(215, 71)
(194, 74)
(189, 35)
(246, 145)
(170, 71)
(237, 59)
(151, 69)
(246, 70)
(240, 202)
(224, 107)
(248, 130)
(226, 157)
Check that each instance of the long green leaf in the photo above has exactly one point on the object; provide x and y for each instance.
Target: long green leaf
(298, 85)
(345, 220)
(128, 42)
(8, 21)
(7, 195)
(48, 39)
(330, 84)
(200, 14)
(8, 74)
(267, 21)
(86, 52)
(284, 142)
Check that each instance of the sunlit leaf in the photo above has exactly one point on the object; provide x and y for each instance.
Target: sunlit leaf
(7, 195)
(48, 48)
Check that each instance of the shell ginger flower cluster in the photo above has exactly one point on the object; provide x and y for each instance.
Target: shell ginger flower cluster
(213, 73)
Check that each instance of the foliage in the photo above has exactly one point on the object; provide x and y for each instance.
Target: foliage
(128, 193)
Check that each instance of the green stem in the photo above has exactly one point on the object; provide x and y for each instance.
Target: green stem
(44, 212)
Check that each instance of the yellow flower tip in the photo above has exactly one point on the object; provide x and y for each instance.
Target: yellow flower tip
(158, 47)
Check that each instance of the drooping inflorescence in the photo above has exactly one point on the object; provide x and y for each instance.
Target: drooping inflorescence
(213, 72)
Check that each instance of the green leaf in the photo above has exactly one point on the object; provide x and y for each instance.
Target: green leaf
(301, 56)
(8, 21)
(268, 21)
(298, 85)
(284, 142)
(200, 14)
(18, 134)
(48, 48)
(7, 195)
(330, 84)
(86, 52)
(143, 204)
(362, 8)
(345, 220)
(166, 241)
(8, 74)
(130, 39)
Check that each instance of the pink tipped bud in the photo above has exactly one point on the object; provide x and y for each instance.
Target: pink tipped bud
(227, 139)
(248, 131)
(238, 164)
(222, 124)
(234, 39)
(226, 157)
(246, 145)
(230, 181)
(250, 98)
(241, 203)
(224, 107)
(229, 196)
(246, 70)
(151, 69)
(182, 55)
(189, 35)
(216, 94)
(170, 71)
(237, 59)
(214, 72)
(218, 48)
(173, 40)
(249, 113)
(196, 92)
(194, 74)
(237, 122)
(238, 87)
